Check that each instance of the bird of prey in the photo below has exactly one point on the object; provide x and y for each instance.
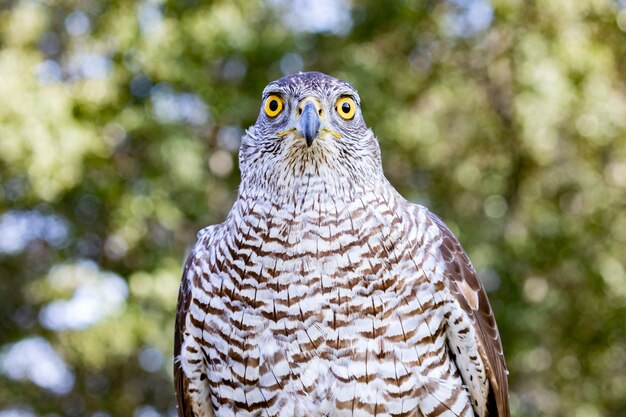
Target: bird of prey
(325, 292)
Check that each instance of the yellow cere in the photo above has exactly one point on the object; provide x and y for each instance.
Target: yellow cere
(273, 105)
(346, 107)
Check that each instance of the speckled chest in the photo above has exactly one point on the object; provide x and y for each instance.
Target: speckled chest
(305, 307)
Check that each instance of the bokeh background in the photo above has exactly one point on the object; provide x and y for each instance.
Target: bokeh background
(120, 123)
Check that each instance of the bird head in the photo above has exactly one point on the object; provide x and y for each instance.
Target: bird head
(309, 125)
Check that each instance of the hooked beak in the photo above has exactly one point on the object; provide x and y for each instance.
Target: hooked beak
(309, 123)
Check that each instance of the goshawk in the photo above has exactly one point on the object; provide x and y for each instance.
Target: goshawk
(325, 292)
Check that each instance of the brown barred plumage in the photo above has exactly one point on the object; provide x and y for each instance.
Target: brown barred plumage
(324, 292)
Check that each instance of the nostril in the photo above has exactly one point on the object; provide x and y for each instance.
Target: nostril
(319, 112)
(299, 111)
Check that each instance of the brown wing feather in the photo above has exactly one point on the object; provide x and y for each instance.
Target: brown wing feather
(181, 383)
(467, 288)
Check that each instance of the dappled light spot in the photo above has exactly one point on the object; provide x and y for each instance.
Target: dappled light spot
(150, 359)
(150, 17)
(495, 206)
(221, 163)
(89, 66)
(291, 63)
(587, 410)
(234, 69)
(535, 289)
(114, 134)
(614, 275)
(172, 107)
(77, 23)
(569, 367)
(49, 71)
(468, 175)
(315, 16)
(146, 411)
(34, 359)
(469, 17)
(96, 295)
(19, 228)
(115, 246)
(538, 359)
(17, 412)
(229, 137)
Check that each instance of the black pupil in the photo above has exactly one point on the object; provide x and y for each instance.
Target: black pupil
(345, 107)
(273, 105)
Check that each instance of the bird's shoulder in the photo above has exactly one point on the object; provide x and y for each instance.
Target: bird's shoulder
(204, 239)
(459, 273)
(208, 231)
(464, 285)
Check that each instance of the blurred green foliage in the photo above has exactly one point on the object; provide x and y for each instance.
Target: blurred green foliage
(119, 128)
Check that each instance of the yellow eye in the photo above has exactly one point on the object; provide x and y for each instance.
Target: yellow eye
(273, 105)
(345, 107)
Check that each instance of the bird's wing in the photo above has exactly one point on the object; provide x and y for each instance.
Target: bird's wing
(181, 383)
(465, 286)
